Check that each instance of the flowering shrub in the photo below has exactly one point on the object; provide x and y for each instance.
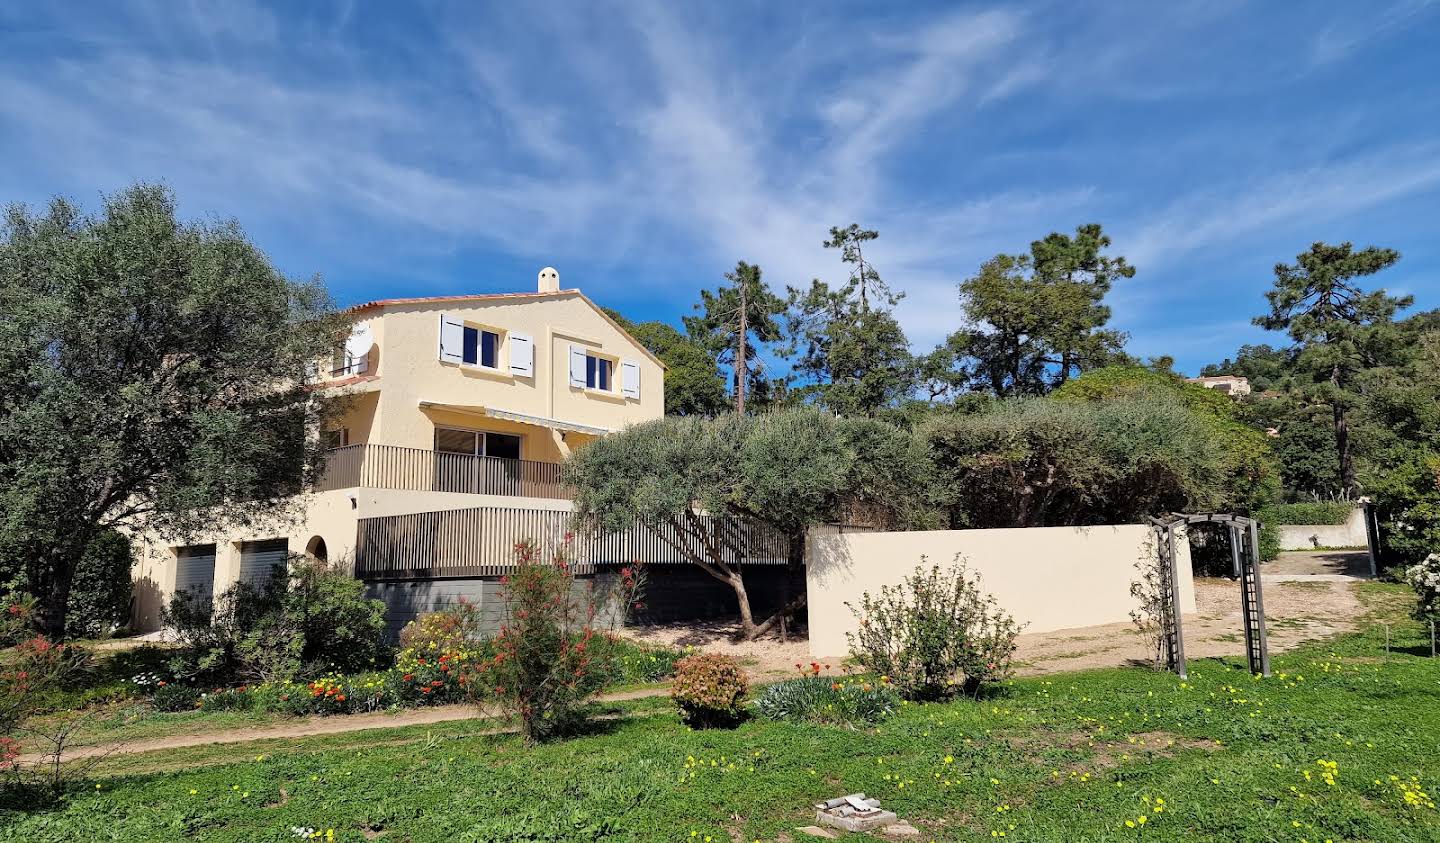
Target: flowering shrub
(439, 680)
(17, 616)
(1425, 579)
(228, 699)
(546, 660)
(934, 634)
(453, 630)
(710, 690)
(812, 698)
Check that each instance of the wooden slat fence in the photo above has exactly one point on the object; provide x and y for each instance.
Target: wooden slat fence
(480, 542)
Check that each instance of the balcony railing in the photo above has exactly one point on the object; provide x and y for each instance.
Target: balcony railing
(419, 470)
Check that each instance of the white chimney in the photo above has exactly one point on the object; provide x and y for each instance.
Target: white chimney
(549, 280)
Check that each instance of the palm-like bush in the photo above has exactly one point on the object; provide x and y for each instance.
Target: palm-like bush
(825, 699)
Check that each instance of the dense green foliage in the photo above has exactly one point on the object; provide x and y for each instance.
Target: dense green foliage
(150, 369)
(1039, 318)
(1339, 329)
(1267, 368)
(1054, 758)
(100, 597)
(1312, 512)
(1251, 474)
(781, 472)
(853, 356)
(1390, 408)
(1043, 462)
(301, 624)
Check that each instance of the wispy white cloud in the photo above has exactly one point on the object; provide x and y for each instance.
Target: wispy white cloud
(1364, 25)
(660, 141)
(1309, 194)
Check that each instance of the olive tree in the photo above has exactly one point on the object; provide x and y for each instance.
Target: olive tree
(1042, 462)
(700, 483)
(152, 371)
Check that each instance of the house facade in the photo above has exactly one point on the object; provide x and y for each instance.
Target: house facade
(1234, 385)
(456, 413)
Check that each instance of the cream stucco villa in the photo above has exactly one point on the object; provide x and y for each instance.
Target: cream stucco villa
(458, 413)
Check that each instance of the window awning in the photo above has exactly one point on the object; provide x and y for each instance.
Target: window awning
(541, 421)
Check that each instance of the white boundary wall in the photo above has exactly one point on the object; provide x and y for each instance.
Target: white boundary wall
(1049, 577)
(1311, 536)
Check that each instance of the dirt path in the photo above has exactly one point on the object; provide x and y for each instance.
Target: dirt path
(1345, 563)
(1295, 612)
(311, 726)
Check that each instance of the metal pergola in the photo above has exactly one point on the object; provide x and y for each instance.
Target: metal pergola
(1244, 556)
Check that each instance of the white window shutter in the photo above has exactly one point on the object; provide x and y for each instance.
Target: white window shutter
(452, 339)
(577, 366)
(630, 378)
(522, 355)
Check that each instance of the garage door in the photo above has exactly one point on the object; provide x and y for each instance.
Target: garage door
(259, 560)
(195, 570)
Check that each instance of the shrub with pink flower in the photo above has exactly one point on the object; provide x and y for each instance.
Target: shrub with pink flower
(549, 658)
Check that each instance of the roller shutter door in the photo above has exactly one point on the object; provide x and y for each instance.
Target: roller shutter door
(195, 570)
(258, 560)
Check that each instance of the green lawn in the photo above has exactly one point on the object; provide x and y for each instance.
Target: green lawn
(1068, 757)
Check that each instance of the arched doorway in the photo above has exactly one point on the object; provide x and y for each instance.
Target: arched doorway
(316, 548)
(1245, 558)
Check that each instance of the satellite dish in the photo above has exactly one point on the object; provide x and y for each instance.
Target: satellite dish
(357, 349)
(360, 341)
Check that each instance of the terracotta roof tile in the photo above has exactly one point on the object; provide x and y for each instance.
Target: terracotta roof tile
(437, 299)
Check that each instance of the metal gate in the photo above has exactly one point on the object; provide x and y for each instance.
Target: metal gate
(1245, 562)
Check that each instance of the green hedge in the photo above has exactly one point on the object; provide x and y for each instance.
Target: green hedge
(1328, 512)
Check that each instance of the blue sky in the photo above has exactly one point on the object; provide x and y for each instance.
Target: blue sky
(643, 147)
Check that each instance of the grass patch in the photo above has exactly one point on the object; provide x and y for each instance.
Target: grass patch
(1068, 757)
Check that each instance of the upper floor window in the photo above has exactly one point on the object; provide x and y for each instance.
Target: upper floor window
(337, 438)
(589, 370)
(478, 443)
(597, 372)
(481, 348)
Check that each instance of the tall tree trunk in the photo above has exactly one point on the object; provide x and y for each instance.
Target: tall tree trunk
(51, 579)
(1342, 451)
(1342, 437)
(742, 365)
